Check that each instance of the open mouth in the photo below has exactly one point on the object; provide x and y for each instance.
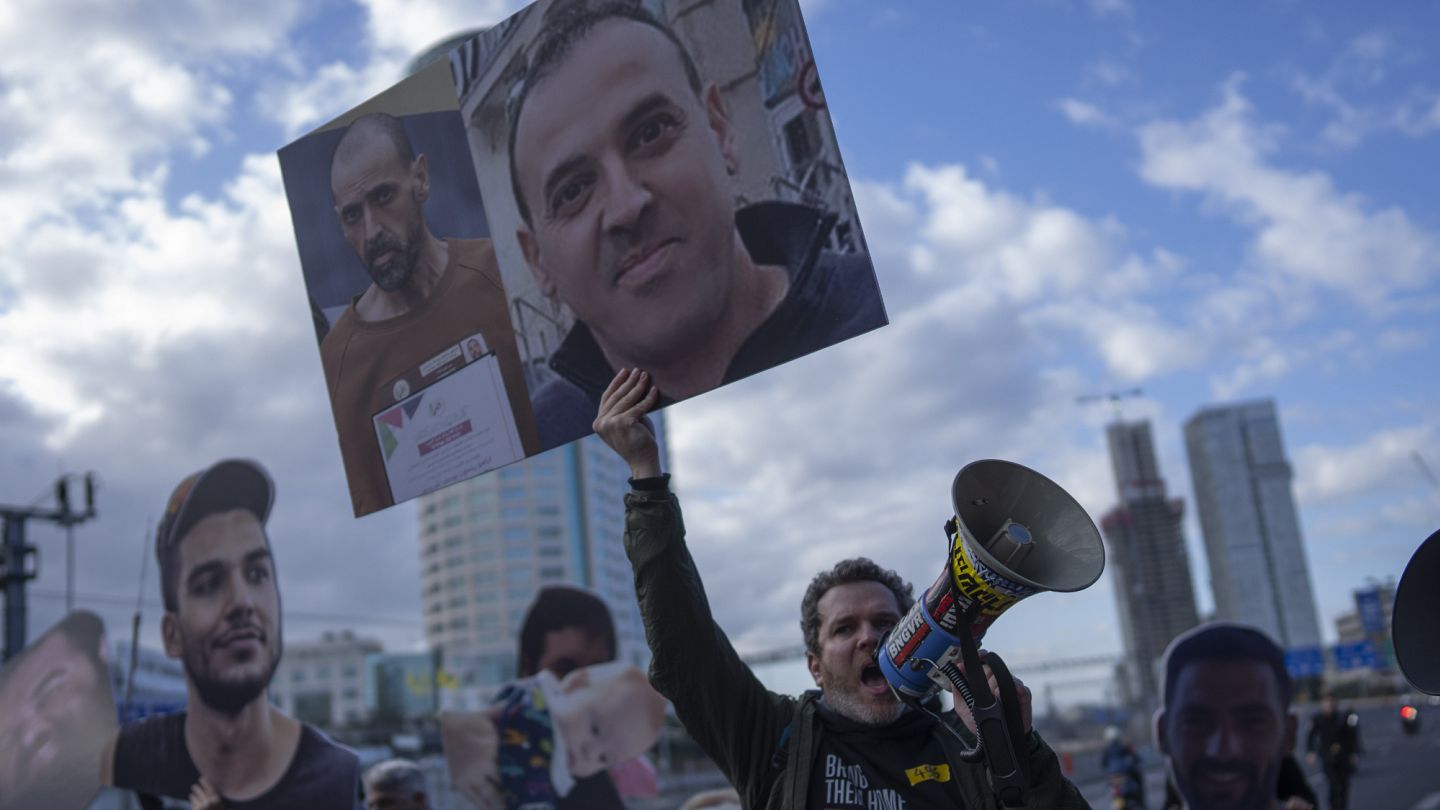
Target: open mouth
(873, 680)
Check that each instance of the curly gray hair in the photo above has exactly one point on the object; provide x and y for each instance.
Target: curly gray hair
(858, 569)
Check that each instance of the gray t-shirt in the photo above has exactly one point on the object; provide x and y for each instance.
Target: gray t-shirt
(151, 758)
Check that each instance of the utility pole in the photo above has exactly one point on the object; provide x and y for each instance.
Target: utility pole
(18, 561)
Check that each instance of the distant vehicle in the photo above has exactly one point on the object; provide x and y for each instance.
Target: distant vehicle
(1125, 793)
(1410, 718)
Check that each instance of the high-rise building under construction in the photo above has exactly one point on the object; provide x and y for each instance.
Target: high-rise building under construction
(1147, 560)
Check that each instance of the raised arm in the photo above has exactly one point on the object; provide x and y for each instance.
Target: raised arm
(735, 720)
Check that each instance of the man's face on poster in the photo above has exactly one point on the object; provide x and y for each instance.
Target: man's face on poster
(57, 715)
(1225, 733)
(226, 626)
(378, 197)
(625, 172)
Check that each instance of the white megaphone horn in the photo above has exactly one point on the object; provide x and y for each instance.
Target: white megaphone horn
(1015, 533)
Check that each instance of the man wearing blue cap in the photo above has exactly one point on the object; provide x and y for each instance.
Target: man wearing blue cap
(222, 620)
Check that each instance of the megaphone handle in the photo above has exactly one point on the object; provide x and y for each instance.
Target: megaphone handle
(996, 722)
(1014, 723)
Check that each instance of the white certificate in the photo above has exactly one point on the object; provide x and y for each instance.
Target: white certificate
(456, 428)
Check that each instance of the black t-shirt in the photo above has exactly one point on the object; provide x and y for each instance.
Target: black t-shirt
(900, 766)
(151, 757)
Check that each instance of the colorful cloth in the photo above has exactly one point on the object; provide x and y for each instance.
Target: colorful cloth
(531, 760)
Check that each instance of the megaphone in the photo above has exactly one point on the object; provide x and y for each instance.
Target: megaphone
(1015, 533)
(1413, 624)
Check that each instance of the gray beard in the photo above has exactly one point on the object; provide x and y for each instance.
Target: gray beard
(848, 706)
(398, 272)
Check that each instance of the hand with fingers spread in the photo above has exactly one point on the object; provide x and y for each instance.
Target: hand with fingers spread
(471, 744)
(963, 710)
(204, 796)
(621, 422)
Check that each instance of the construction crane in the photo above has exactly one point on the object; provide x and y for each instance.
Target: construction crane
(1113, 397)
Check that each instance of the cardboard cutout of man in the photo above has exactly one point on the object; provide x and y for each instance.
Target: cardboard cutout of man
(569, 628)
(620, 160)
(222, 620)
(58, 712)
(426, 295)
(1225, 726)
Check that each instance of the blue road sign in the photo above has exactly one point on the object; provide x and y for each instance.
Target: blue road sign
(1356, 655)
(1305, 662)
(1372, 616)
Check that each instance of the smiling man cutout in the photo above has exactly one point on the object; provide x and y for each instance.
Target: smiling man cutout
(222, 620)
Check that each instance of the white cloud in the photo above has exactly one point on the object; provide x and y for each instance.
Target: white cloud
(1109, 73)
(1085, 114)
(1400, 340)
(1306, 230)
(1418, 115)
(396, 32)
(408, 27)
(1007, 248)
(327, 92)
(1353, 89)
(1383, 463)
(94, 96)
(1136, 341)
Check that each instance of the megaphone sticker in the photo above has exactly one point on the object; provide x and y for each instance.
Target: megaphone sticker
(977, 581)
(907, 636)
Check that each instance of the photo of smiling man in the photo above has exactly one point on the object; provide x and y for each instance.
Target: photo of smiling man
(222, 621)
(686, 216)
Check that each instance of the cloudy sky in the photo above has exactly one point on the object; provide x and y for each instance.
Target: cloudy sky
(1063, 197)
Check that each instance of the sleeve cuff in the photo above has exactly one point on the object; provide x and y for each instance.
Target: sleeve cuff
(660, 483)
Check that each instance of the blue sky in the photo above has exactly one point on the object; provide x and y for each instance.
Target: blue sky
(1210, 201)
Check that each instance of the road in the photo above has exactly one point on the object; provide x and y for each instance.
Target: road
(1397, 772)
